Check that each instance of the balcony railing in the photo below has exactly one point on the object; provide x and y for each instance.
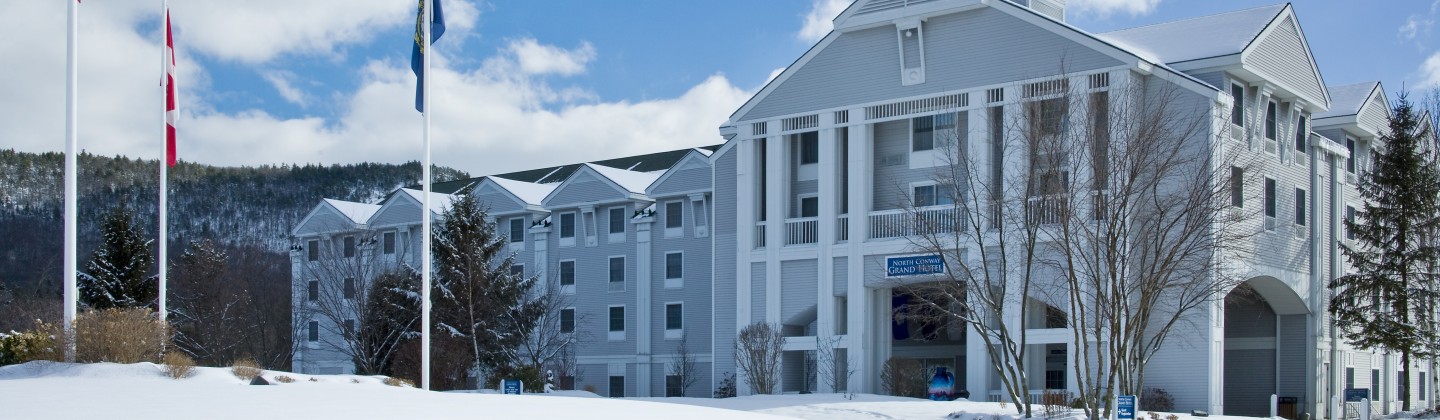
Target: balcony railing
(760, 234)
(1046, 209)
(805, 230)
(842, 229)
(901, 223)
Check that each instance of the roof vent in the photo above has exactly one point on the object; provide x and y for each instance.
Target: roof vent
(1054, 9)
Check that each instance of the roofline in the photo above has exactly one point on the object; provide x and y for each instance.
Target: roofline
(671, 170)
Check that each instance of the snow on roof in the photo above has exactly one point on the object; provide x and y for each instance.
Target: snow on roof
(1347, 99)
(357, 212)
(704, 151)
(1196, 38)
(529, 192)
(632, 181)
(438, 202)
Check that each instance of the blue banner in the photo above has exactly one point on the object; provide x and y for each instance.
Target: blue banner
(914, 265)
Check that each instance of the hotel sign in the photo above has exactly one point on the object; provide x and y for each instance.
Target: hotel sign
(914, 265)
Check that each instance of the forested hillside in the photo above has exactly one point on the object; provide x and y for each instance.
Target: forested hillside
(253, 207)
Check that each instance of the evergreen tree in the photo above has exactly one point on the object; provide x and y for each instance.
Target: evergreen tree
(118, 273)
(1384, 303)
(391, 316)
(477, 297)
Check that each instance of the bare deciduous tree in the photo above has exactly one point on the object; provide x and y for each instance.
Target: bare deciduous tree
(834, 369)
(683, 367)
(757, 356)
(339, 294)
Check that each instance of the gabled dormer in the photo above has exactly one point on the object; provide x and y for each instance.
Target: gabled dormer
(515, 205)
(592, 192)
(1360, 109)
(334, 216)
(682, 195)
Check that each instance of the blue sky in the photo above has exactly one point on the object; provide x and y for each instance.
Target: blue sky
(521, 84)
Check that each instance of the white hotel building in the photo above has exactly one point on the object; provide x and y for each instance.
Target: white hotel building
(791, 219)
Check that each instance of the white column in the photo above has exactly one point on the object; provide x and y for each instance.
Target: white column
(857, 300)
(643, 305)
(777, 183)
(745, 217)
(825, 295)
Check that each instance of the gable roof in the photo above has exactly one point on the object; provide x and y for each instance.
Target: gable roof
(356, 212)
(634, 182)
(698, 155)
(1197, 38)
(438, 201)
(1348, 99)
(527, 192)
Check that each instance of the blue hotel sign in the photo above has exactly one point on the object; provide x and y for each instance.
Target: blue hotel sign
(914, 265)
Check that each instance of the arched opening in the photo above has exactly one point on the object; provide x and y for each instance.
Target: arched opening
(1264, 346)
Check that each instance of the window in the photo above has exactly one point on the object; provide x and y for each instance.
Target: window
(517, 230)
(314, 333)
(1375, 384)
(1047, 117)
(313, 248)
(314, 291)
(1422, 386)
(674, 265)
(1270, 121)
(617, 319)
(567, 273)
(617, 273)
(1349, 217)
(349, 287)
(1237, 187)
(567, 320)
(617, 387)
(674, 387)
(567, 225)
(1100, 140)
(1301, 135)
(349, 327)
(930, 131)
(997, 155)
(809, 206)
(1350, 161)
(617, 220)
(809, 147)
(349, 246)
(388, 244)
(1270, 196)
(929, 195)
(674, 215)
(1237, 108)
(1349, 378)
(674, 316)
(1300, 207)
(517, 270)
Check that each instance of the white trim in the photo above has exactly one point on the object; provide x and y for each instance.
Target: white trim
(568, 289)
(609, 280)
(610, 235)
(674, 334)
(677, 282)
(673, 232)
(615, 335)
(560, 228)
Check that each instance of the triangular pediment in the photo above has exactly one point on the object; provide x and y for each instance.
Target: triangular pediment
(1281, 54)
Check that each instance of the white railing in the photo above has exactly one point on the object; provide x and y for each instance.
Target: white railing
(900, 223)
(802, 231)
(1047, 209)
(842, 229)
(1036, 396)
(760, 234)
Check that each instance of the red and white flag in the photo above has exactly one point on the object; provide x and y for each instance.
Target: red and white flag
(169, 93)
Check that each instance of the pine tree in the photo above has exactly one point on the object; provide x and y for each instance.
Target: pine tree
(477, 298)
(118, 273)
(1384, 303)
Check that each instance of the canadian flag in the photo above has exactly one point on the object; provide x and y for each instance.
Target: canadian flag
(169, 93)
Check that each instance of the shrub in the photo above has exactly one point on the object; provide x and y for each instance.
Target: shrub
(1156, 399)
(1153, 415)
(1055, 404)
(591, 389)
(119, 335)
(904, 377)
(314, 380)
(1172, 417)
(399, 382)
(284, 379)
(245, 368)
(354, 381)
(35, 344)
(726, 389)
(178, 365)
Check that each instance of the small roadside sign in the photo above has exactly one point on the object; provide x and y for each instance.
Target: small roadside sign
(1125, 407)
(511, 386)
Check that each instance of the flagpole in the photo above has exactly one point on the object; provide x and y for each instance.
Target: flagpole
(425, 214)
(164, 158)
(71, 173)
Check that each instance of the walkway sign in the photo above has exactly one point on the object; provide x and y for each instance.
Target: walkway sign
(1125, 407)
(914, 265)
(511, 386)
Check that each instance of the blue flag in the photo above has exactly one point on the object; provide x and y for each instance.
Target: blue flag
(420, 48)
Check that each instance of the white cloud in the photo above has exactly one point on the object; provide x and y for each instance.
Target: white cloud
(257, 31)
(489, 117)
(1430, 71)
(534, 58)
(819, 20)
(1417, 26)
(1105, 8)
(282, 81)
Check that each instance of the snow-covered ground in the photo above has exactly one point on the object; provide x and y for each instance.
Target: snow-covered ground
(51, 390)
